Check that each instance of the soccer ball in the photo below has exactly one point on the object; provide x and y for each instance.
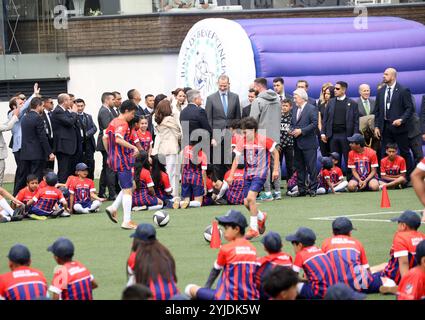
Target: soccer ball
(161, 218)
(208, 232)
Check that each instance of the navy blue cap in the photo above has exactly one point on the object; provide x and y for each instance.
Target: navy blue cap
(272, 242)
(409, 217)
(62, 248)
(335, 155)
(327, 163)
(356, 138)
(145, 232)
(303, 235)
(341, 291)
(233, 217)
(81, 167)
(19, 254)
(343, 225)
(420, 251)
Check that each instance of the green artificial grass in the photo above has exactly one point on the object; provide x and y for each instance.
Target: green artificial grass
(104, 247)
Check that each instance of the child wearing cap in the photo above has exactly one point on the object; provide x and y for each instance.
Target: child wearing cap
(256, 150)
(71, 280)
(276, 257)
(363, 163)
(412, 285)
(349, 257)
(318, 269)
(331, 177)
(393, 168)
(82, 192)
(402, 253)
(22, 282)
(237, 262)
(151, 264)
(280, 283)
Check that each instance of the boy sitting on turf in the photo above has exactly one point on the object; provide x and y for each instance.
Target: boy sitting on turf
(281, 283)
(318, 269)
(82, 192)
(393, 168)
(26, 194)
(44, 201)
(238, 262)
(402, 252)
(72, 280)
(363, 163)
(332, 179)
(276, 257)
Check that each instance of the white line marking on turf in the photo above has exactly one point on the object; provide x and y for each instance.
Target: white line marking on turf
(353, 216)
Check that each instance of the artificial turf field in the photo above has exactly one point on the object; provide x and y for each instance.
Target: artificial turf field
(104, 247)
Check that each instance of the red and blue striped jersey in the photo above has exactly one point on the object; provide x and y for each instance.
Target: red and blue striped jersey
(266, 264)
(145, 139)
(412, 285)
(318, 269)
(141, 195)
(257, 155)
(164, 187)
(193, 166)
(334, 175)
(23, 283)
(363, 162)
(393, 168)
(119, 158)
(134, 138)
(235, 139)
(404, 245)
(81, 190)
(238, 261)
(43, 184)
(46, 198)
(72, 281)
(235, 193)
(25, 195)
(161, 289)
(349, 257)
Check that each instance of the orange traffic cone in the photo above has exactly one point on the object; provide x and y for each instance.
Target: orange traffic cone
(215, 236)
(385, 200)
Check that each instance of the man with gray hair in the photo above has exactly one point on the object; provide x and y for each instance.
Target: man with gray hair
(303, 129)
(266, 110)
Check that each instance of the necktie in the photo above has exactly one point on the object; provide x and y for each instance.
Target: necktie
(367, 106)
(298, 113)
(224, 101)
(388, 102)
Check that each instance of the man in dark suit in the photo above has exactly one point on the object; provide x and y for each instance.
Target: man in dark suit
(365, 103)
(194, 121)
(64, 122)
(303, 84)
(46, 115)
(252, 94)
(279, 88)
(105, 116)
(340, 121)
(393, 110)
(117, 101)
(303, 125)
(87, 132)
(35, 149)
(222, 107)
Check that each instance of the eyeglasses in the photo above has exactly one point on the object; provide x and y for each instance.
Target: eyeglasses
(337, 88)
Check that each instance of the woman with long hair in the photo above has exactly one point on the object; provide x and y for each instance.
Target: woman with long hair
(178, 103)
(326, 95)
(161, 180)
(154, 266)
(167, 143)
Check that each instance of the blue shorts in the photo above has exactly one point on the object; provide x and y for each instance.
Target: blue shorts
(85, 204)
(375, 284)
(255, 184)
(308, 293)
(141, 199)
(190, 190)
(205, 294)
(125, 179)
(39, 212)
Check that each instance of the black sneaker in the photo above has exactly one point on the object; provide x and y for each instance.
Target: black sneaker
(16, 218)
(19, 211)
(57, 213)
(3, 220)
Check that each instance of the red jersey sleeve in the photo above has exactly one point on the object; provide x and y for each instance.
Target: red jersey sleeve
(37, 195)
(221, 259)
(412, 286)
(326, 174)
(351, 163)
(298, 263)
(121, 130)
(382, 166)
(270, 144)
(134, 137)
(21, 194)
(226, 175)
(61, 198)
(69, 181)
(146, 177)
(240, 146)
(400, 247)
(2, 287)
(203, 158)
(402, 165)
(339, 173)
(325, 245)
(92, 187)
(166, 182)
(363, 258)
(373, 159)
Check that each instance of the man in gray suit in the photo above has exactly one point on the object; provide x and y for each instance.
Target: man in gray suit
(366, 105)
(107, 177)
(222, 107)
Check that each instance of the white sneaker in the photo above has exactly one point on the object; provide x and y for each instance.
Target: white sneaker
(65, 214)
(129, 225)
(139, 208)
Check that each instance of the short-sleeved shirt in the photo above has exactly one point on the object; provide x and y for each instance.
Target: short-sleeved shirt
(134, 138)
(421, 165)
(46, 198)
(235, 139)
(412, 285)
(25, 195)
(363, 162)
(119, 158)
(72, 281)
(164, 187)
(238, 261)
(81, 189)
(257, 155)
(23, 283)
(70, 180)
(318, 269)
(349, 257)
(193, 166)
(43, 184)
(145, 139)
(335, 174)
(404, 245)
(393, 168)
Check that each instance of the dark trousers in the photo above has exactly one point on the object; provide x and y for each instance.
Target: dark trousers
(305, 163)
(288, 153)
(49, 165)
(88, 159)
(33, 167)
(402, 140)
(107, 178)
(415, 145)
(339, 143)
(20, 178)
(66, 166)
(223, 163)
